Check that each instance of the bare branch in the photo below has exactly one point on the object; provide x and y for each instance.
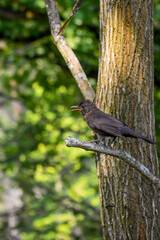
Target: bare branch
(67, 53)
(74, 10)
(72, 142)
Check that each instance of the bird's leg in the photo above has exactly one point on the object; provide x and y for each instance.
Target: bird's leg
(113, 139)
(100, 139)
(94, 140)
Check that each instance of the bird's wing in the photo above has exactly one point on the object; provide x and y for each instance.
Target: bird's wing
(106, 129)
(110, 120)
(108, 124)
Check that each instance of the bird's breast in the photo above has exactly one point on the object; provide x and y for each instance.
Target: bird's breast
(89, 117)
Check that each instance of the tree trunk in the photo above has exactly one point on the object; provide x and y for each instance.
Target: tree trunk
(129, 203)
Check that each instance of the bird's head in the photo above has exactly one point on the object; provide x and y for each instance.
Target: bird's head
(84, 107)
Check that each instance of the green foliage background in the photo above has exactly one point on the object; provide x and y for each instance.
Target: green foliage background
(59, 185)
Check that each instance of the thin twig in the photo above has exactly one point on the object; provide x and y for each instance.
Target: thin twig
(74, 10)
(72, 142)
(67, 53)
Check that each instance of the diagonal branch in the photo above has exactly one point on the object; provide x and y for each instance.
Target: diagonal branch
(67, 53)
(74, 10)
(72, 142)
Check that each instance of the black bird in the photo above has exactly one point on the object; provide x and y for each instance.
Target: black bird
(106, 125)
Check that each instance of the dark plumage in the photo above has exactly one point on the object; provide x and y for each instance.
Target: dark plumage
(104, 124)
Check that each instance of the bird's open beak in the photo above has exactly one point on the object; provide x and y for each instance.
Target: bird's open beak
(77, 108)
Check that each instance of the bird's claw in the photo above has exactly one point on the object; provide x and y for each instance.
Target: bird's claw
(94, 141)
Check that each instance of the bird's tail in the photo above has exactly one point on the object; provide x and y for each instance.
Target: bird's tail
(147, 139)
(132, 133)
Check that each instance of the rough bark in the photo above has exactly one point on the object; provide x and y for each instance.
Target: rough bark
(129, 204)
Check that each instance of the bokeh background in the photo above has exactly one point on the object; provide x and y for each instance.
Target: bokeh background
(49, 191)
